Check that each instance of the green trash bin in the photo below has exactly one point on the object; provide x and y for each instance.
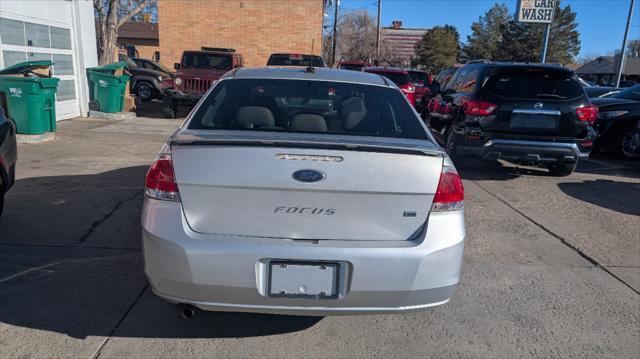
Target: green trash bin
(28, 95)
(107, 86)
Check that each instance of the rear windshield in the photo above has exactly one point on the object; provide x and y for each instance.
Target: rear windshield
(534, 84)
(309, 107)
(355, 67)
(295, 60)
(417, 77)
(397, 77)
(206, 61)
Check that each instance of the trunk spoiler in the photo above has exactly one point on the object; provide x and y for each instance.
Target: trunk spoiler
(307, 143)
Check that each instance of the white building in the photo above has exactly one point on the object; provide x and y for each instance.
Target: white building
(59, 30)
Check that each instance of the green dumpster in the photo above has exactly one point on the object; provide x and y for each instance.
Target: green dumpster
(27, 93)
(107, 86)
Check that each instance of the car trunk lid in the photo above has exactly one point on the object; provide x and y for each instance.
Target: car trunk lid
(249, 188)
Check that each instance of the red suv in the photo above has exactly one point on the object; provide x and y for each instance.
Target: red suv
(400, 77)
(421, 81)
(195, 73)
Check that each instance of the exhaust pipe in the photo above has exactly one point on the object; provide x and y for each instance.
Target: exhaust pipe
(187, 311)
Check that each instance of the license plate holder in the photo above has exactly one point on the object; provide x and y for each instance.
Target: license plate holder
(534, 121)
(308, 280)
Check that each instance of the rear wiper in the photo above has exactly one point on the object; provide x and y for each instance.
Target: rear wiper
(550, 95)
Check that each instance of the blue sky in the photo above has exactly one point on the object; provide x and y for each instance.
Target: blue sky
(601, 22)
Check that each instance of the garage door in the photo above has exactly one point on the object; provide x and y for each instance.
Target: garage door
(26, 41)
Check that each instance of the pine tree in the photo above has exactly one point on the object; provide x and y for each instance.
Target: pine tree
(438, 48)
(487, 33)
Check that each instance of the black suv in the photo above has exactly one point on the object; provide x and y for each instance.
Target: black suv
(522, 113)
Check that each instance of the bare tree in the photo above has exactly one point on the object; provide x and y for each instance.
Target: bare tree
(356, 37)
(111, 14)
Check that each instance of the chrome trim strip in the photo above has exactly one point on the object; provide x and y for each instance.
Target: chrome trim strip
(570, 146)
(536, 112)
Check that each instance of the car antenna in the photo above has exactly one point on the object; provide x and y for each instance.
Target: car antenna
(310, 68)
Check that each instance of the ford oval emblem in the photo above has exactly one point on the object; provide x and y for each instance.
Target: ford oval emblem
(538, 105)
(308, 176)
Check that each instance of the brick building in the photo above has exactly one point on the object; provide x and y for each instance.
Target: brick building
(255, 28)
(401, 40)
(142, 35)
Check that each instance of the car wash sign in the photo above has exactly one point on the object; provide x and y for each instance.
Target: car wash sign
(539, 11)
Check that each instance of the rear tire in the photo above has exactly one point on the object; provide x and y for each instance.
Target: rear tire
(451, 148)
(562, 170)
(627, 143)
(169, 109)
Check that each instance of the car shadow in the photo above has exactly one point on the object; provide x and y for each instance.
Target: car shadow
(153, 109)
(485, 170)
(623, 197)
(71, 263)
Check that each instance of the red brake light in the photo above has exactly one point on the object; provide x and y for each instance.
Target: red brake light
(450, 193)
(161, 180)
(587, 113)
(478, 108)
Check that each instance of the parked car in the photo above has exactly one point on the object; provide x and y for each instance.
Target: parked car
(532, 114)
(618, 121)
(601, 91)
(353, 65)
(152, 65)
(8, 155)
(400, 77)
(303, 192)
(421, 81)
(295, 60)
(195, 73)
(445, 75)
(145, 83)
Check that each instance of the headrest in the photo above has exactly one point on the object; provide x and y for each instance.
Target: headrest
(251, 116)
(352, 112)
(309, 122)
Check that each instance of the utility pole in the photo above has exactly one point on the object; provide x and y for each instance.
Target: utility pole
(545, 43)
(335, 30)
(378, 32)
(623, 51)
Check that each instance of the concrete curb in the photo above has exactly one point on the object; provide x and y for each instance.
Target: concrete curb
(44, 137)
(117, 116)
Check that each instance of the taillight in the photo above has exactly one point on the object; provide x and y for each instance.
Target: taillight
(587, 113)
(478, 108)
(161, 180)
(450, 193)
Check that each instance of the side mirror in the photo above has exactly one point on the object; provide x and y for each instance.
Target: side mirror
(176, 66)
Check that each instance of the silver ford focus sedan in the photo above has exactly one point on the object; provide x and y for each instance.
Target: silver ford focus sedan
(303, 191)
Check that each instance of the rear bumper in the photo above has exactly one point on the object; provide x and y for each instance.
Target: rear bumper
(526, 151)
(230, 273)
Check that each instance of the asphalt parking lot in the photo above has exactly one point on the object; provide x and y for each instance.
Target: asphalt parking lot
(552, 266)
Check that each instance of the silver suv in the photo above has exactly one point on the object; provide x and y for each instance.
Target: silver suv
(303, 191)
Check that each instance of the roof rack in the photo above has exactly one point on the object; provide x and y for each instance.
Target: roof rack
(479, 61)
(218, 49)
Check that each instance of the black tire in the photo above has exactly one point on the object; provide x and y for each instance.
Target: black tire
(94, 105)
(563, 169)
(451, 148)
(627, 143)
(144, 91)
(169, 111)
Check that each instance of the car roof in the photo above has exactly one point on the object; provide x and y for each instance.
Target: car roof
(353, 63)
(301, 73)
(416, 70)
(210, 52)
(380, 69)
(520, 65)
(292, 53)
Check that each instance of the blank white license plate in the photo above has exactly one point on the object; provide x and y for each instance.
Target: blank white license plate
(303, 280)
